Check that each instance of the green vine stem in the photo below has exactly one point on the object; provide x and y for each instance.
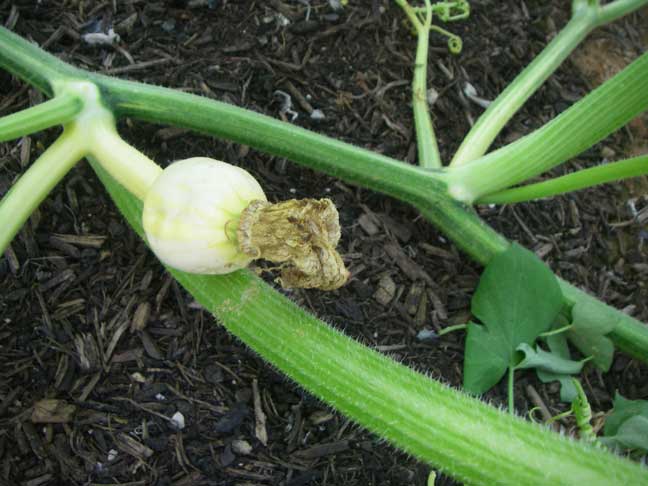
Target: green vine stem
(510, 388)
(58, 110)
(470, 440)
(582, 179)
(36, 184)
(586, 16)
(449, 11)
(428, 150)
(34, 65)
(617, 9)
(425, 189)
(353, 164)
(130, 167)
(604, 110)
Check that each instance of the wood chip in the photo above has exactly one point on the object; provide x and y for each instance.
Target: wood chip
(52, 411)
(369, 224)
(406, 264)
(141, 317)
(413, 298)
(322, 450)
(12, 259)
(8, 400)
(260, 418)
(88, 353)
(437, 303)
(150, 347)
(386, 290)
(421, 312)
(84, 241)
(401, 231)
(132, 447)
(44, 479)
(437, 252)
(35, 442)
(25, 151)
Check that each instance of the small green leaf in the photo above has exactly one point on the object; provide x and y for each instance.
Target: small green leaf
(623, 411)
(588, 334)
(632, 435)
(549, 362)
(568, 391)
(517, 299)
(557, 344)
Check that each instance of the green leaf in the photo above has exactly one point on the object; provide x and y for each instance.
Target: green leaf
(591, 324)
(624, 410)
(517, 299)
(486, 359)
(632, 435)
(557, 344)
(549, 362)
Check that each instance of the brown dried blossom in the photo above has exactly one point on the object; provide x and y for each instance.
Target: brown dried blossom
(300, 235)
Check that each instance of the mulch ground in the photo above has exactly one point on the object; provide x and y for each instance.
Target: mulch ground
(89, 319)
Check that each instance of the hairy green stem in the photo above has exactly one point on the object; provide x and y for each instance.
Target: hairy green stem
(32, 64)
(582, 179)
(57, 111)
(339, 159)
(35, 184)
(588, 121)
(466, 438)
(586, 16)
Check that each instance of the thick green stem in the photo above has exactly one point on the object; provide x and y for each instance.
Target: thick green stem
(591, 119)
(35, 184)
(34, 65)
(582, 179)
(57, 111)
(468, 439)
(339, 159)
(587, 15)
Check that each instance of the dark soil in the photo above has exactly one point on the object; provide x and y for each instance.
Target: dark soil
(77, 277)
